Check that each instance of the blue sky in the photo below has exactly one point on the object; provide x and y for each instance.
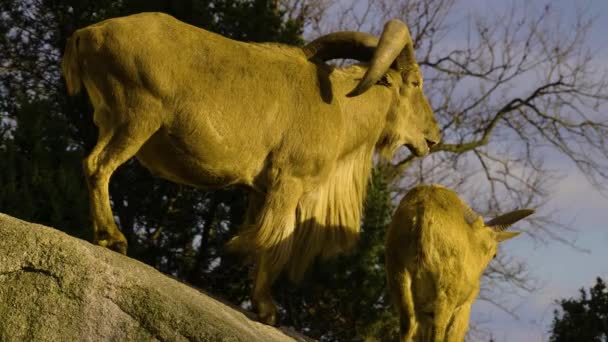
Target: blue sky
(560, 269)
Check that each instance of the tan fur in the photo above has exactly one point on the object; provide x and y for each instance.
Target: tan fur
(197, 108)
(435, 257)
(329, 217)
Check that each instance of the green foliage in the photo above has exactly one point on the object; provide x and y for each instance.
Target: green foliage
(582, 319)
(40, 175)
(246, 20)
(231, 20)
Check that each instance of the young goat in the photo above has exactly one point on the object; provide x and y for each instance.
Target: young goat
(436, 251)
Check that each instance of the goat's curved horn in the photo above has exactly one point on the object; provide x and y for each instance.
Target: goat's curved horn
(393, 40)
(502, 222)
(406, 56)
(347, 44)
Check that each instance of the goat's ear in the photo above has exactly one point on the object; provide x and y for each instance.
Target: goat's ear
(385, 80)
(503, 222)
(502, 236)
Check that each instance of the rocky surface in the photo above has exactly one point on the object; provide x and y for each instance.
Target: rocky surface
(54, 287)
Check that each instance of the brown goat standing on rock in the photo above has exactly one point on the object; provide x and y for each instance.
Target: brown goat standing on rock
(200, 109)
(436, 251)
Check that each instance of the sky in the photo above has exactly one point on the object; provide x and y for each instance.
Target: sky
(560, 269)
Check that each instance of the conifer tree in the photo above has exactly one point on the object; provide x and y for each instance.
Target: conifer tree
(584, 318)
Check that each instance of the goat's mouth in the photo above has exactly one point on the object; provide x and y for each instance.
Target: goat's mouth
(422, 148)
(418, 150)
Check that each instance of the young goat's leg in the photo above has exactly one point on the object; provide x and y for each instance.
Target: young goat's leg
(459, 326)
(274, 239)
(441, 319)
(115, 146)
(400, 284)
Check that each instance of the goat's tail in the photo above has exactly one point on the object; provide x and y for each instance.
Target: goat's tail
(71, 66)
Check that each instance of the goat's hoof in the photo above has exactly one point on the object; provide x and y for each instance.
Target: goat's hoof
(268, 318)
(116, 246)
(267, 313)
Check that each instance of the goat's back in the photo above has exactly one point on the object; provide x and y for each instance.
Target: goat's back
(168, 57)
(430, 238)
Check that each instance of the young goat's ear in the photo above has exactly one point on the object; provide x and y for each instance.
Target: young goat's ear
(502, 222)
(502, 236)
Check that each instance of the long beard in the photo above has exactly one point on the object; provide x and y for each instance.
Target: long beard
(388, 145)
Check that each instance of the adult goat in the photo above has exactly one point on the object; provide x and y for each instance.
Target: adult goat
(200, 109)
(436, 251)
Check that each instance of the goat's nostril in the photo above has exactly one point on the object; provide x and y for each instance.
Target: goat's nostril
(430, 143)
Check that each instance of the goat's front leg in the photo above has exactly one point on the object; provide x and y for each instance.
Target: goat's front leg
(114, 147)
(261, 298)
(273, 239)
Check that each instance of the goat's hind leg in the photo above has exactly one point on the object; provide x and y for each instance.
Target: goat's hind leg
(114, 147)
(402, 294)
(458, 327)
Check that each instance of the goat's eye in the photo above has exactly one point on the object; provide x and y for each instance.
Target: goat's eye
(416, 83)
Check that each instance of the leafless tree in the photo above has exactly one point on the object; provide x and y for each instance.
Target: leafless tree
(310, 12)
(509, 87)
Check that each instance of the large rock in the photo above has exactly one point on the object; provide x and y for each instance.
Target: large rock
(54, 287)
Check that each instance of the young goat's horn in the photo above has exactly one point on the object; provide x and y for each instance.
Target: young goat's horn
(502, 222)
(470, 215)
